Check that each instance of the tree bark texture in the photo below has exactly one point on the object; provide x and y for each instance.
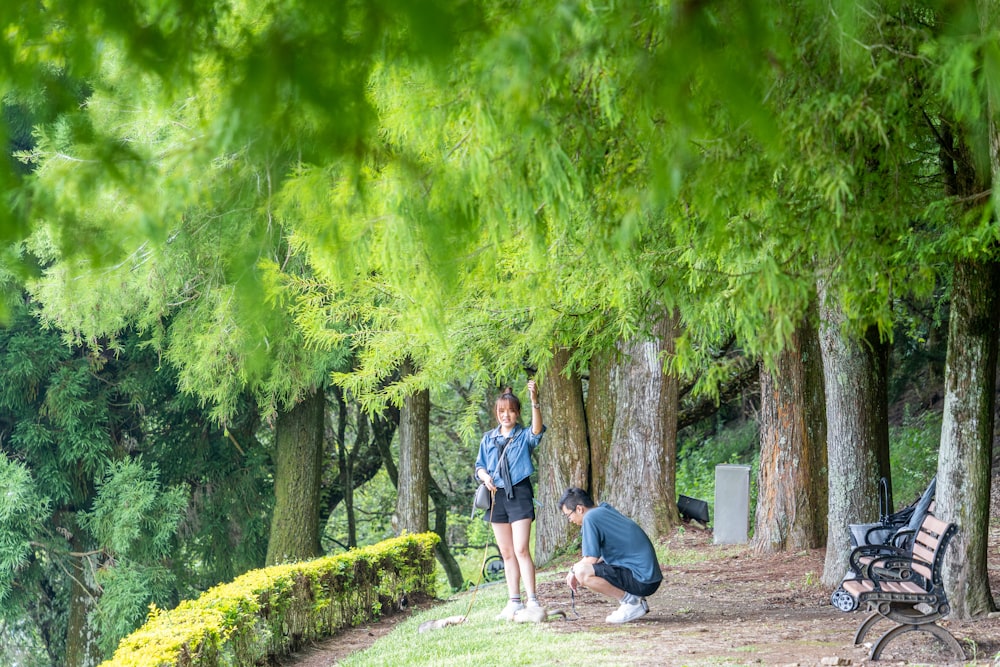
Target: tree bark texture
(298, 468)
(414, 463)
(563, 456)
(792, 485)
(963, 477)
(641, 471)
(857, 432)
(81, 640)
(600, 408)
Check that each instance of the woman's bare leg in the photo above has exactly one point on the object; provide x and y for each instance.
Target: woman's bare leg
(505, 540)
(520, 535)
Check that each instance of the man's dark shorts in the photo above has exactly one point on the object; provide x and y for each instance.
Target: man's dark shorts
(621, 577)
(509, 510)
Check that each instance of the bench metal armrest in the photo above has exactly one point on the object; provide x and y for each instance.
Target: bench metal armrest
(895, 569)
(872, 552)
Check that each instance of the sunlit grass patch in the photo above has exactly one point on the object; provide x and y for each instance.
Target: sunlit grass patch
(484, 640)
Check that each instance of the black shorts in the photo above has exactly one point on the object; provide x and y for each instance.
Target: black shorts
(509, 510)
(621, 577)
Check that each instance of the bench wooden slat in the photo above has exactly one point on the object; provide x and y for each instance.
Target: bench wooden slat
(921, 552)
(902, 587)
(858, 586)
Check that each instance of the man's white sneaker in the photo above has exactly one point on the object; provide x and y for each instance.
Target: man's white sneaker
(645, 605)
(508, 612)
(626, 612)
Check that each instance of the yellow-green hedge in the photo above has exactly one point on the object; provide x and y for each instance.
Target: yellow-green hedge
(271, 612)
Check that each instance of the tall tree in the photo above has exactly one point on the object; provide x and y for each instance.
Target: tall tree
(564, 457)
(857, 435)
(562, 167)
(128, 494)
(414, 462)
(965, 459)
(791, 489)
(298, 469)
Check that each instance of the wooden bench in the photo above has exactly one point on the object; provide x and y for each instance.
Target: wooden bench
(899, 544)
(905, 588)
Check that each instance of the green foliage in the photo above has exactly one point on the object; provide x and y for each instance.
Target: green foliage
(127, 591)
(470, 192)
(133, 516)
(135, 520)
(264, 613)
(23, 510)
(913, 454)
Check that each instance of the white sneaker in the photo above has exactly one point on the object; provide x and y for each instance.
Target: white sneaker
(532, 603)
(645, 605)
(508, 612)
(626, 612)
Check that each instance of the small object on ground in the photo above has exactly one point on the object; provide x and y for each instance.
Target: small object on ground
(440, 623)
(537, 615)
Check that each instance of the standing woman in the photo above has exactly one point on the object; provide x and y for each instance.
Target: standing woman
(513, 498)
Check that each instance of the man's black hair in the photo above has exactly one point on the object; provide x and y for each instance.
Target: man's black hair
(574, 496)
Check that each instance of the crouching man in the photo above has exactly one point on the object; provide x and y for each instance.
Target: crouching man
(618, 559)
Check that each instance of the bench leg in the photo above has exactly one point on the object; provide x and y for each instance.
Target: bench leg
(866, 625)
(940, 633)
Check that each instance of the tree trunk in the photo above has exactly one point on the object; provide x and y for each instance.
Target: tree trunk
(963, 478)
(857, 434)
(414, 466)
(791, 488)
(345, 464)
(81, 644)
(563, 457)
(298, 467)
(964, 459)
(351, 480)
(600, 416)
(641, 472)
(451, 567)
(382, 430)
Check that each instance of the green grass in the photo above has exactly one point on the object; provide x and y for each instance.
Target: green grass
(483, 640)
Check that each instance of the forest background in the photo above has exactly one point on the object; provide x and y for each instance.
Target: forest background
(258, 254)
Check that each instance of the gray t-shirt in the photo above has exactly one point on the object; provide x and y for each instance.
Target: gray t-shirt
(609, 534)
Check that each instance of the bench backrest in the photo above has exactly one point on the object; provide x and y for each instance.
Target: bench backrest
(929, 545)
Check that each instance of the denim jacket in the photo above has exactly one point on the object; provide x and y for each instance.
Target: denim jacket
(518, 454)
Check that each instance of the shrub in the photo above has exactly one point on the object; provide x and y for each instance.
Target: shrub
(272, 611)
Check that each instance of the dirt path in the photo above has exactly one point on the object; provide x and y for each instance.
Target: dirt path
(739, 610)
